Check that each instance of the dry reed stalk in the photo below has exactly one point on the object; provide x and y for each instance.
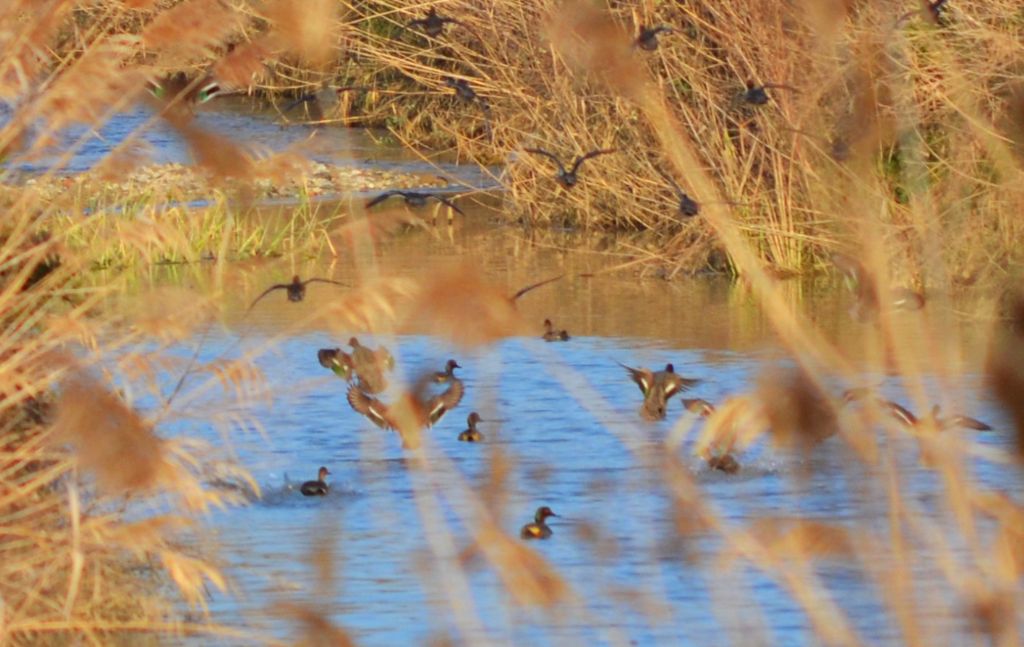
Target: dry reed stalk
(459, 305)
(112, 441)
(309, 30)
(191, 29)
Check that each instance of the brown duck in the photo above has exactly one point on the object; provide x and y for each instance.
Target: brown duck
(472, 434)
(370, 365)
(447, 375)
(657, 387)
(702, 408)
(550, 334)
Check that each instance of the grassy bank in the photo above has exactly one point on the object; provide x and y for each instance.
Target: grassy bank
(891, 127)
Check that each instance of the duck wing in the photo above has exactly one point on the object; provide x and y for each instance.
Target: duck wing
(308, 281)
(541, 151)
(437, 406)
(673, 383)
(448, 203)
(965, 422)
(584, 158)
(381, 198)
(641, 376)
(898, 412)
(279, 286)
(374, 409)
(523, 291)
(672, 183)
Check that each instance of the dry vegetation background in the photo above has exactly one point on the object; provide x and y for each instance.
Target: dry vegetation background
(901, 142)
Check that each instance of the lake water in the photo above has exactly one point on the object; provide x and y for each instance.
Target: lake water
(380, 554)
(248, 123)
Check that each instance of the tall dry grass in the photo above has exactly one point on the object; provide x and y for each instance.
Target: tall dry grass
(922, 119)
(900, 143)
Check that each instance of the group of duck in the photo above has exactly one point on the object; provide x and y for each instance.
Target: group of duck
(365, 369)
(436, 393)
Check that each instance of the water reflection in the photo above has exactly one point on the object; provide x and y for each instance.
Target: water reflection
(570, 437)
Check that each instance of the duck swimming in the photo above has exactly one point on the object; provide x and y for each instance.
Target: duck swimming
(538, 529)
(657, 387)
(447, 375)
(472, 434)
(319, 486)
(550, 334)
(568, 179)
(296, 290)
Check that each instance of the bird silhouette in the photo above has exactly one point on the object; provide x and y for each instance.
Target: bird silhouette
(647, 39)
(568, 179)
(414, 199)
(757, 95)
(296, 289)
(464, 91)
(433, 23)
(934, 10)
(688, 207)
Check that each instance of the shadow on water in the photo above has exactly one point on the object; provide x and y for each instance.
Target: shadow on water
(572, 439)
